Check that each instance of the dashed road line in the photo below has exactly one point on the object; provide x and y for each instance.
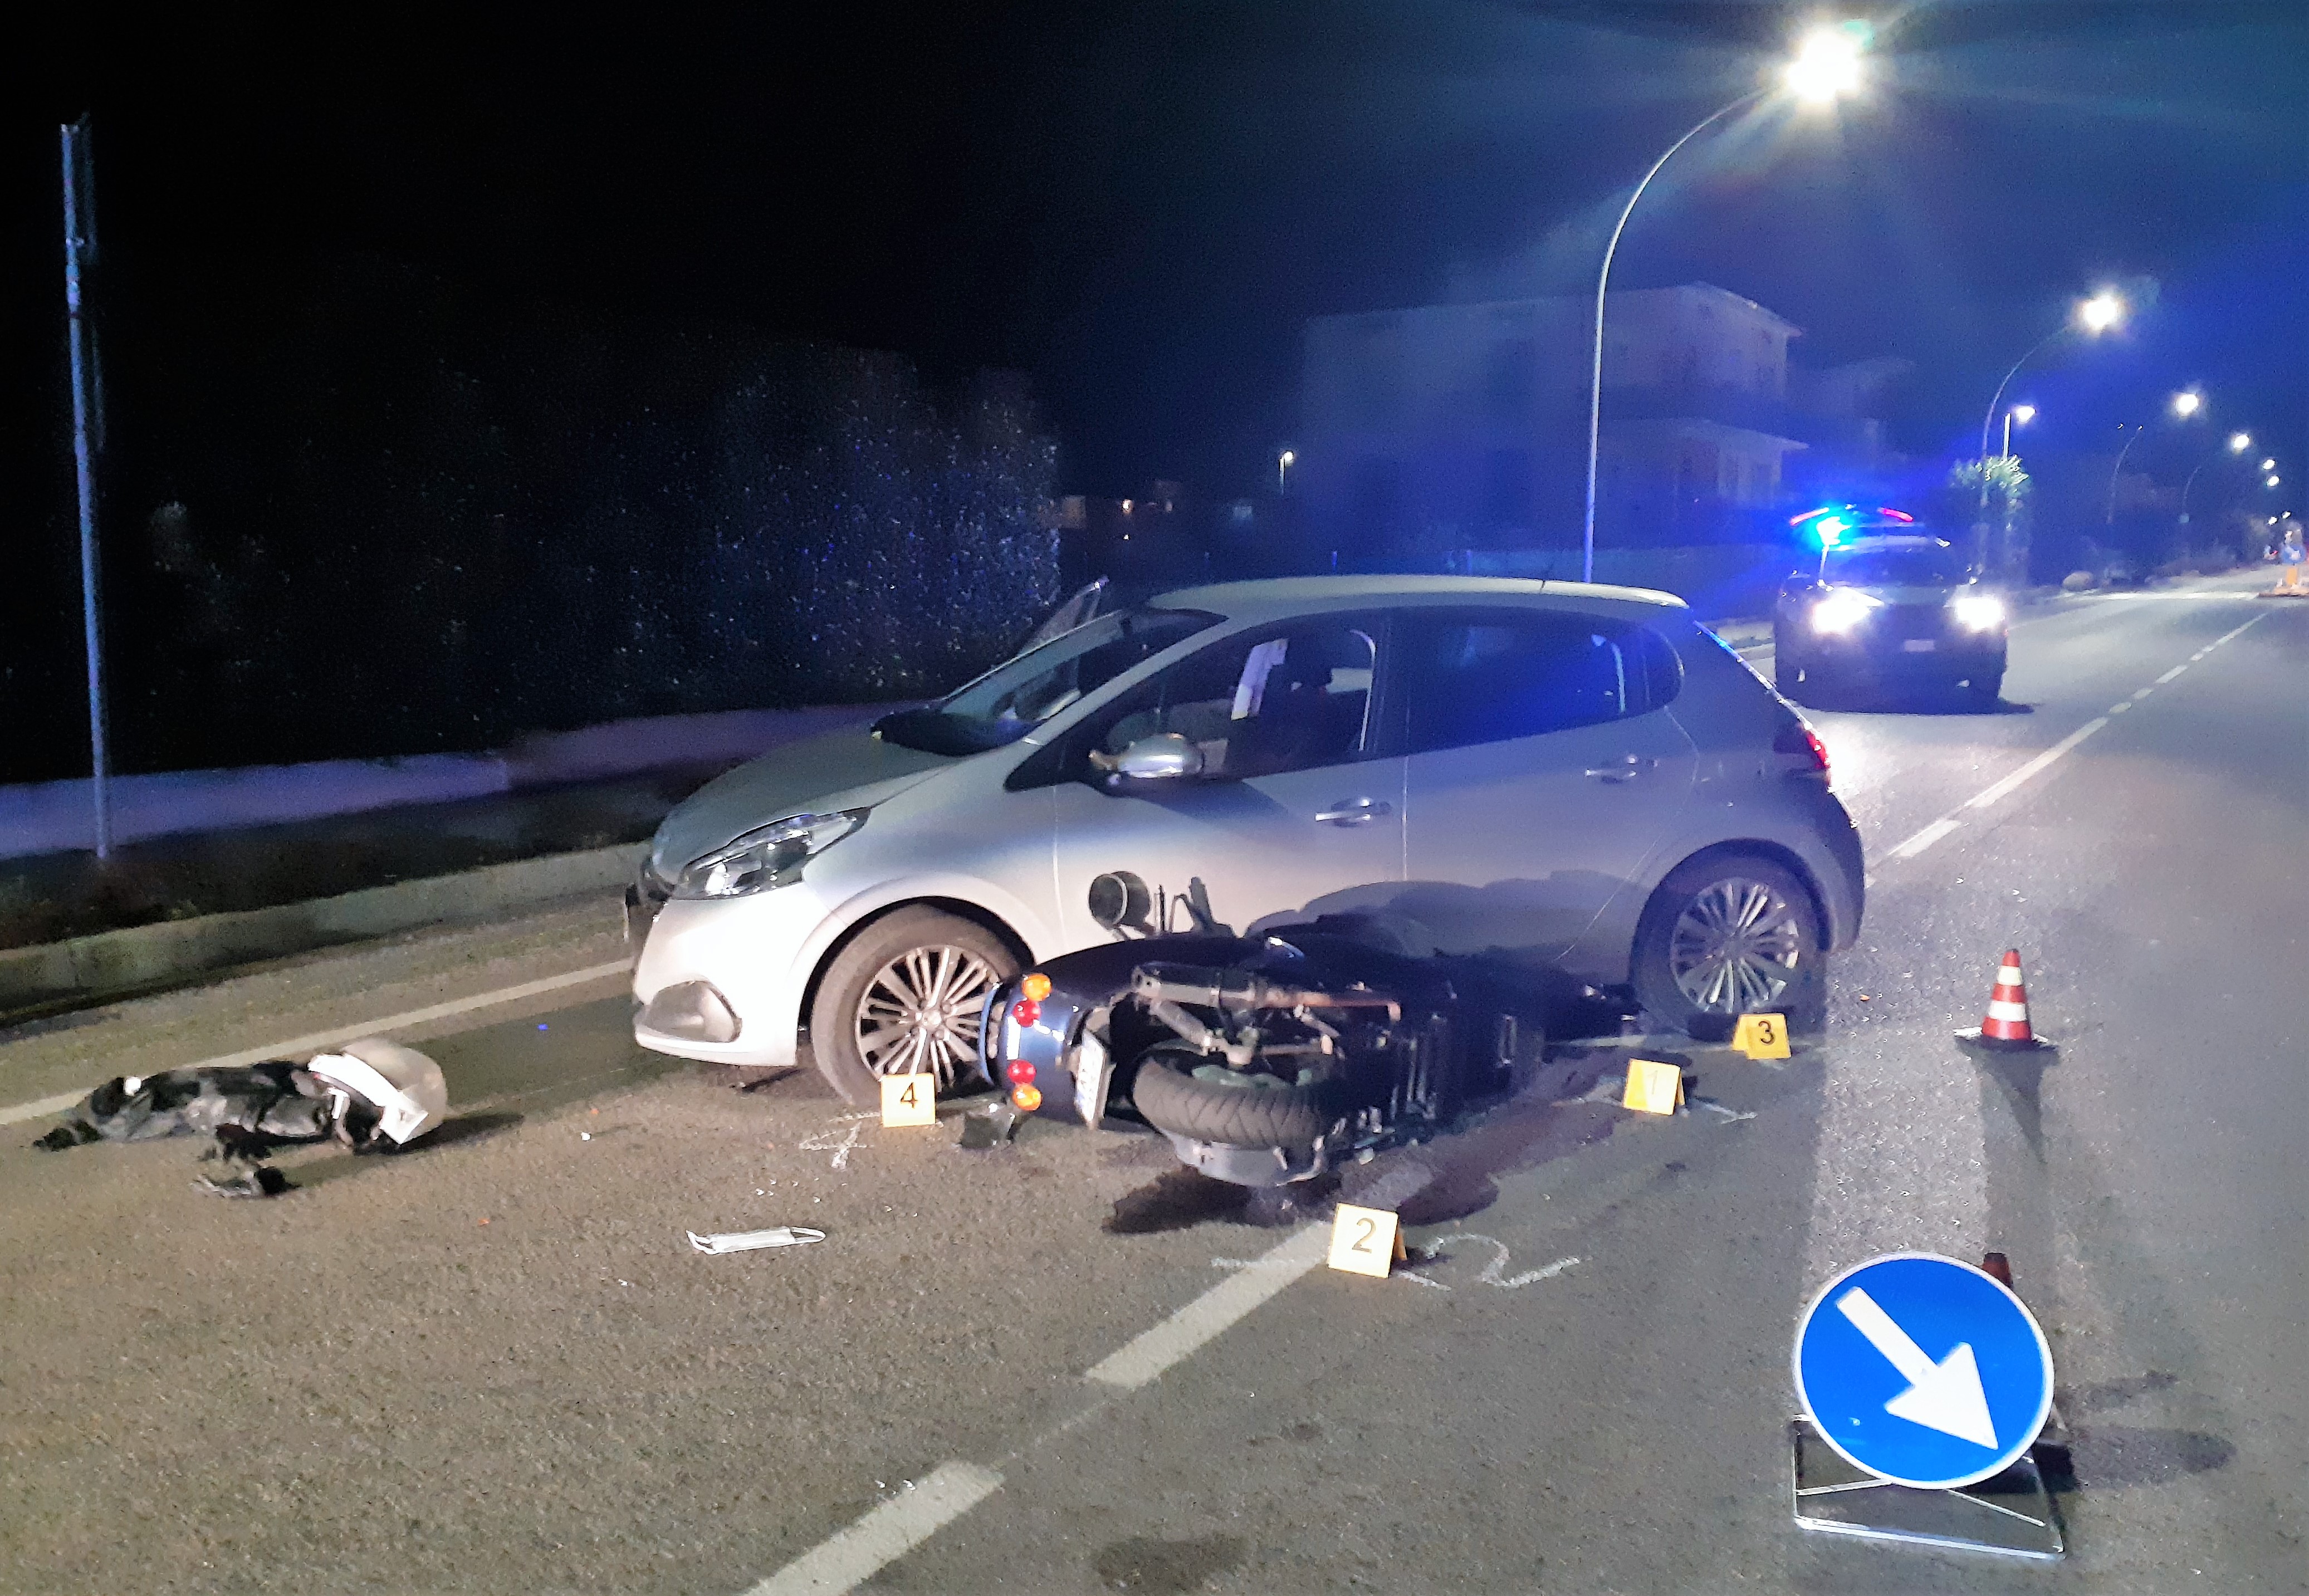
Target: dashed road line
(314, 1041)
(1915, 844)
(1142, 1360)
(854, 1555)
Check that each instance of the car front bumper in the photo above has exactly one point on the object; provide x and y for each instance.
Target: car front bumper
(749, 956)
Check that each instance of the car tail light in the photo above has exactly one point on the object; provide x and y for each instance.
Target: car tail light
(1025, 1011)
(1027, 1099)
(1021, 1072)
(1798, 738)
(1036, 986)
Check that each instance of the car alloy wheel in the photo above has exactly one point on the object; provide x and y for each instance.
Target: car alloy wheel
(1736, 947)
(919, 1012)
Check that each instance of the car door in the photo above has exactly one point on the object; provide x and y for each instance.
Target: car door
(1543, 771)
(1299, 811)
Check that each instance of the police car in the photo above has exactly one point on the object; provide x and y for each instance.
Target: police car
(1890, 609)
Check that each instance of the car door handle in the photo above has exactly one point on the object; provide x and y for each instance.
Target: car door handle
(1626, 769)
(1354, 811)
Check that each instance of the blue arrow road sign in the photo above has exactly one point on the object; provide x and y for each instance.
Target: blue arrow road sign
(1922, 1371)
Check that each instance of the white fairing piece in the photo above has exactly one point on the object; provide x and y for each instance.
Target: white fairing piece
(405, 1085)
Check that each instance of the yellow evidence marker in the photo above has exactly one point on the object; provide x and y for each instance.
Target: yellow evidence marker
(1762, 1036)
(1653, 1088)
(909, 1100)
(1365, 1241)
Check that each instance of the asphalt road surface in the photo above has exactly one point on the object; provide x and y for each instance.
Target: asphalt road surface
(495, 1363)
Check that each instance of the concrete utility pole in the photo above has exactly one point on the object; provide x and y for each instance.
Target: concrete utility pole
(79, 251)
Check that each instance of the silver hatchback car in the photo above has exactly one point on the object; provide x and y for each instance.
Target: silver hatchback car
(1572, 775)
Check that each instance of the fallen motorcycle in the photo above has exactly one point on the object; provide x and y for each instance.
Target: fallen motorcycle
(1264, 1060)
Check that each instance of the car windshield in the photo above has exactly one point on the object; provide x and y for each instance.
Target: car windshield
(1933, 568)
(1022, 692)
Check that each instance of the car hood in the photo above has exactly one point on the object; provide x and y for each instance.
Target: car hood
(852, 769)
(1908, 595)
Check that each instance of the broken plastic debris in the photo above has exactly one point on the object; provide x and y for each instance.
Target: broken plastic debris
(991, 1127)
(747, 1241)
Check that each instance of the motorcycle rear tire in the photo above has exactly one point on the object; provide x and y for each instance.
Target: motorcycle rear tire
(1171, 1100)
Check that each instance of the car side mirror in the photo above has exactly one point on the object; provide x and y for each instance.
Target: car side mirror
(1166, 756)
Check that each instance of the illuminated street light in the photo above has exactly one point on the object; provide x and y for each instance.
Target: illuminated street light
(1826, 66)
(1282, 464)
(2239, 441)
(2188, 402)
(2103, 311)
(2094, 317)
(2269, 464)
(2274, 479)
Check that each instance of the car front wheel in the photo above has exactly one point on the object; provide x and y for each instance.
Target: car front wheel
(1728, 935)
(904, 997)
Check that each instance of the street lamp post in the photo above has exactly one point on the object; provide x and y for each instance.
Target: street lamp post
(2239, 441)
(2109, 519)
(1826, 66)
(2094, 317)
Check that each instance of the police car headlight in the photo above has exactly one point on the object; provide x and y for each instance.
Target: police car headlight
(1842, 611)
(1978, 612)
(770, 856)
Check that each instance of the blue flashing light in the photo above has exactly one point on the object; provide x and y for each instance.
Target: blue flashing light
(1831, 529)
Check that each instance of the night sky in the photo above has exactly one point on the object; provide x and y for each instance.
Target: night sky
(1139, 204)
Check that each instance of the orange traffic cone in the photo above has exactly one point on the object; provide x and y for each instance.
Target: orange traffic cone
(2006, 1027)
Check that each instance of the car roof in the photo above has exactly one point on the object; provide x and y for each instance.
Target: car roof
(1279, 598)
(1870, 542)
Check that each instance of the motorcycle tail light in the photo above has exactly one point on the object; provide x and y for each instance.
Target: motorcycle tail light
(1020, 1071)
(1026, 1098)
(1036, 986)
(1025, 1011)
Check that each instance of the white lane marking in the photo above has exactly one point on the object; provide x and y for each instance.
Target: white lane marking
(1997, 790)
(851, 1556)
(314, 1041)
(2144, 693)
(2169, 675)
(2118, 709)
(1144, 1358)
(42, 1109)
(2233, 631)
(1922, 840)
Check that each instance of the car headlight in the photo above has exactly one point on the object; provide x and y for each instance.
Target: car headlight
(1978, 612)
(1842, 611)
(767, 857)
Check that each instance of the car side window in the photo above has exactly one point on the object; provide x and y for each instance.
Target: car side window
(1297, 698)
(1495, 677)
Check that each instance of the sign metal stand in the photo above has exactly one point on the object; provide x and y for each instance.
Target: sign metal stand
(1925, 1387)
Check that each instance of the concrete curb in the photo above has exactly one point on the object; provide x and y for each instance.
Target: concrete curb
(88, 970)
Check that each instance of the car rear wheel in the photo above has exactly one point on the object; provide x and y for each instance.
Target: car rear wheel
(1728, 935)
(903, 998)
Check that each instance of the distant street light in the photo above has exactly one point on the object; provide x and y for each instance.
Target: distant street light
(2021, 413)
(1827, 65)
(2274, 479)
(2269, 464)
(2094, 317)
(2239, 441)
(2188, 402)
(1282, 464)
